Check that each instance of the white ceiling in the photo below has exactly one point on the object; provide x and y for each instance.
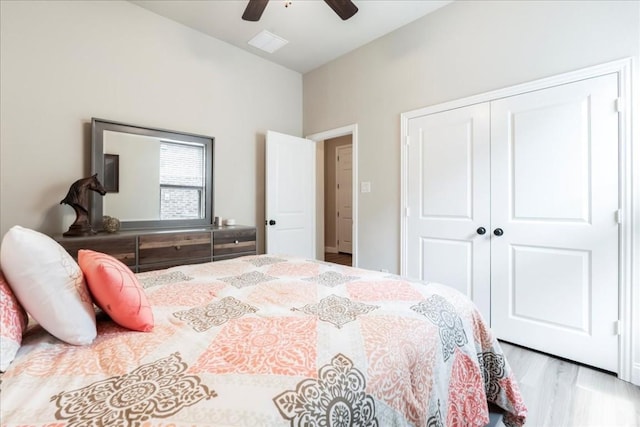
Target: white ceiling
(315, 33)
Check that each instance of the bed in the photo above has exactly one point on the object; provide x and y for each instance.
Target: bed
(271, 341)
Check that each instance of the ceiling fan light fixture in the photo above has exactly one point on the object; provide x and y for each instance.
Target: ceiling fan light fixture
(267, 41)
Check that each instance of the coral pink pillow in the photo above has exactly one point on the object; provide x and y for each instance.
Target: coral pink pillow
(13, 321)
(116, 290)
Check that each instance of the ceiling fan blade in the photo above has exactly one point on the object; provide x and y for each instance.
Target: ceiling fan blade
(254, 10)
(344, 8)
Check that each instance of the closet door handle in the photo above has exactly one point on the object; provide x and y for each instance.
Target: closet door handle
(481, 230)
(498, 232)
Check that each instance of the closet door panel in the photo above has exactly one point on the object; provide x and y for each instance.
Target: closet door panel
(448, 199)
(554, 193)
(550, 161)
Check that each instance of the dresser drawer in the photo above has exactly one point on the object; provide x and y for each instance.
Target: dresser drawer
(234, 242)
(174, 263)
(145, 250)
(121, 248)
(171, 247)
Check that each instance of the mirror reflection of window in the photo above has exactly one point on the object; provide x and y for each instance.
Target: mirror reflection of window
(182, 180)
(165, 178)
(160, 178)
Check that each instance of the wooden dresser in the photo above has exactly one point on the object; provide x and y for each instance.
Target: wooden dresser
(145, 250)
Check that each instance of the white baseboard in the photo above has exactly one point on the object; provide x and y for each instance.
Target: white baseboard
(331, 250)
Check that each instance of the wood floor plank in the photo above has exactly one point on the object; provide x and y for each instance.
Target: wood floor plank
(559, 393)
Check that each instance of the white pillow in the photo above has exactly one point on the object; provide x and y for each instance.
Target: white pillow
(49, 285)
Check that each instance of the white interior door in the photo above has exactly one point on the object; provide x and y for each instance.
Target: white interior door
(344, 198)
(448, 200)
(554, 175)
(290, 197)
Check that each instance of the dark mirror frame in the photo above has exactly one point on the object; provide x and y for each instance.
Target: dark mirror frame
(99, 126)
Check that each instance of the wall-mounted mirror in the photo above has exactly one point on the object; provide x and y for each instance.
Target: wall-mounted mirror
(154, 178)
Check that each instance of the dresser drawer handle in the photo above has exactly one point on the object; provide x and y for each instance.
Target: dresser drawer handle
(177, 247)
(236, 242)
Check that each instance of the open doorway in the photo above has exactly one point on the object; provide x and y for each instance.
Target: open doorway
(337, 197)
(338, 200)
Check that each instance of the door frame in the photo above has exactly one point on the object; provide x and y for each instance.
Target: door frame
(334, 133)
(629, 196)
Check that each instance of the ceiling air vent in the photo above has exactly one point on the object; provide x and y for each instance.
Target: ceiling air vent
(267, 41)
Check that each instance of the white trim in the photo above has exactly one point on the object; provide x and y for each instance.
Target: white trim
(629, 152)
(630, 284)
(573, 76)
(336, 173)
(334, 133)
(629, 289)
(404, 201)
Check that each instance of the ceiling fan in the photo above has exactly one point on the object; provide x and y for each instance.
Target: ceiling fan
(345, 9)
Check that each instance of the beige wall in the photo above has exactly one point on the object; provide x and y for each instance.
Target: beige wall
(330, 188)
(64, 62)
(462, 49)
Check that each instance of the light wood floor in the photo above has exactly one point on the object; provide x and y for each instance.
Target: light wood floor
(559, 393)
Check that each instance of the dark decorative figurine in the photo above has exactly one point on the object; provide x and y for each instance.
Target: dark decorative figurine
(78, 199)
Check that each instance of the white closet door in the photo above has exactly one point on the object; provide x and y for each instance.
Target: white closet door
(448, 200)
(344, 198)
(554, 175)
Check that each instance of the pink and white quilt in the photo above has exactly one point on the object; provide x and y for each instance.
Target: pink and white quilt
(272, 341)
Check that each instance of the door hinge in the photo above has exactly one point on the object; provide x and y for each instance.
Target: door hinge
(338, 158)
(619, 105)
(407, 140)
(407, 212)
(619, 216)
(617, 327)
(338, 214)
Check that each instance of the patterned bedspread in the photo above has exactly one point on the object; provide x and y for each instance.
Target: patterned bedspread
(272, 341)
